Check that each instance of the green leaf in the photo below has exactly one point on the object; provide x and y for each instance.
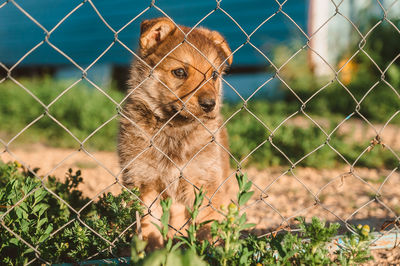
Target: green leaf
(188, 210)
(242, 219)
(244, 178)
(25, 225)
(41, 222)
(156, 225)
(174, 259)
(244, 257)
(49, 229)
(139, 244)
(14, 241)
(27, 251)
(205, 222)
(41, 208)
(164, 219)
(157, 258)
(176, 246)
(245, 197)
(42, 238)
(195, 214)
(190, 258)
(39, 195)
(247, 186)
(20, 212)
(245, 226)
(169, 244)
(183, 240)
(239, 179)
(214, 228)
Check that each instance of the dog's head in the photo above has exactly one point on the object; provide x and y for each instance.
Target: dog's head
(190, 67)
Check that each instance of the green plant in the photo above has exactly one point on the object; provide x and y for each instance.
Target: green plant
(168, 256)
(190, 240)
(82, 110)
(165, 205)
(40, 219)
(40, 214)
(353, 248)
(358, 76)
(229, 230)
(246, 134)
(171, 255)
(309, 246)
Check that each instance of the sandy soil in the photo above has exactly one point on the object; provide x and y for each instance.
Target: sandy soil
(367, 196)
(386, 257)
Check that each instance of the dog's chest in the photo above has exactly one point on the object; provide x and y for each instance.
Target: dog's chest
(175, 148)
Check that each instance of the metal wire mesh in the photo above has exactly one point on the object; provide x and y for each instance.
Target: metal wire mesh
(263, 190)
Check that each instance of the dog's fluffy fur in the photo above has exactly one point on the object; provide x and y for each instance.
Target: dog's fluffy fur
(159, 134)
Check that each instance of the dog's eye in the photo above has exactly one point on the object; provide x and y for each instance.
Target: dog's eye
(214, 75)
(179, 73)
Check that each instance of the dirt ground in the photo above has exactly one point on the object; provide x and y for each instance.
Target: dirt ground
(368, 196)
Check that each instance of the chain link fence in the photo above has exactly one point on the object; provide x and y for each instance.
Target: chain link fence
(263, 189)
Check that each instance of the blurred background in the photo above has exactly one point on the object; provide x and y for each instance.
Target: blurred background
(320, 79)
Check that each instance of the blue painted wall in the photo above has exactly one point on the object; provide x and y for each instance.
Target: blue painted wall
(83, 36)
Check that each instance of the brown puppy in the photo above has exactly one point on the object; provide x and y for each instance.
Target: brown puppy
(170, 129)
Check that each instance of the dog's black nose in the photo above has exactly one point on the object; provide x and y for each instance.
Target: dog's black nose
(207, 104)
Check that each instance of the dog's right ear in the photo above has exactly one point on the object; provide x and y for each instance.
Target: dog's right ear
(154, 31)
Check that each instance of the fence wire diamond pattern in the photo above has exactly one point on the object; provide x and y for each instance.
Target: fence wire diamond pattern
(272, 132)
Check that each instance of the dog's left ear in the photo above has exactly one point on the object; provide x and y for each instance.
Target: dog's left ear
(154, 31)
(220, 41)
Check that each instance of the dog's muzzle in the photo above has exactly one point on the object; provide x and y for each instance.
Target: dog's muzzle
(207, 104)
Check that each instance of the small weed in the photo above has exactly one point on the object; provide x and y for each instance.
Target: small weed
(354, 248)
